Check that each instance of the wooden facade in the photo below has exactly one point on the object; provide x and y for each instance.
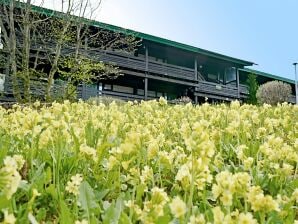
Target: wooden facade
(161, 67)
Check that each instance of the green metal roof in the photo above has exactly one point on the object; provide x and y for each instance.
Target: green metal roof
(267, 75)
(144, 36)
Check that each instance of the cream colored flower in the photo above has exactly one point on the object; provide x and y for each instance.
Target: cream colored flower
(83, 221)
(178, 207)
(8, 218)
(73, 185)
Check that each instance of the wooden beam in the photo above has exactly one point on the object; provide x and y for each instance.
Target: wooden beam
(238, 84)
(196, 99)
(196, 69)
(146, 88)
(146, 59)
(139, 74)
(146, 73)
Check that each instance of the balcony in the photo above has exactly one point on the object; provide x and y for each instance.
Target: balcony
(221, 92)
(137, 63)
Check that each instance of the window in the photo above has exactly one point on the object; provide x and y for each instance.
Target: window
(123, 89)
(107, 87)
(212, 77)
(230, 75)
(140, 92)
(158, 94)
(2, 81)
(151, 93)
(100, 86)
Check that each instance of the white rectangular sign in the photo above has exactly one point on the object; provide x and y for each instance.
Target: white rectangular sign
(2, 81)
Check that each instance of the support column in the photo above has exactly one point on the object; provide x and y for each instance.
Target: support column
(146, 59)
(238, 83)
(196, 78)
(146, 73)
(146, 88)
(196, 69)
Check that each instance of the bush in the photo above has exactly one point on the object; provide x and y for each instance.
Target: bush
(106, 100)
(181, 100)
(252, 89)
(274, 92)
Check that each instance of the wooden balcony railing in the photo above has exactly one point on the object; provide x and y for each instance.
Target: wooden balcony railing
(159, 68)
(292, 99)
(217, 89)
(87, 91)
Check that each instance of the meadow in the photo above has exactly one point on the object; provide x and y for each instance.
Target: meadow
(149, 162)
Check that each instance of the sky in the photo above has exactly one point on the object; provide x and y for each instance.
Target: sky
(262, 31)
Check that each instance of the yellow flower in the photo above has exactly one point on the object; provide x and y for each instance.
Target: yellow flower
(73, 185)
(226, 198)
(178, 207)
(246, 218)
(147, 175)
(159, 196)
(162, 101)
(197, 219)
(218, 215)
(295, 195)
(19, 160)
(83, 221)
(8, 218)
(77, 179)
(248, 163)
(89, 151)
(35, 193)
(260, 202)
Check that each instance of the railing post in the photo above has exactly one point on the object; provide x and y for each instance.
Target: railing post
(146, 59)
(196, 78)
(146, 88)
(196, 69)
(146, 72)
(238, 83)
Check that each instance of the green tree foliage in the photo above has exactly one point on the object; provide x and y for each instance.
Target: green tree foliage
(274, 92)
(47, 43)
(81, 69)
(252, 88)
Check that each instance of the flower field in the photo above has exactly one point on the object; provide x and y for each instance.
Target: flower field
(149, 162)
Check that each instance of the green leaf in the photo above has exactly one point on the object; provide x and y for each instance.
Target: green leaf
(113, 213)
(65, 215)
(140, 192)
(4, 202)
(87, 198)
(124, 219)
(101, 194)
(52, 191)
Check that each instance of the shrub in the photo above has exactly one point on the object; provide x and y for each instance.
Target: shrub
(181, 100)
(106, 100)
(252, 89)
(274, 92)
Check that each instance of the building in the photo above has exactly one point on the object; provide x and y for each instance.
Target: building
(161, 67)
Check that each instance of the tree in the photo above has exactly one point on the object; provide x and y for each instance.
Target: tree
(78, 69)
(252, 88)
(37, 43)
(274, 92)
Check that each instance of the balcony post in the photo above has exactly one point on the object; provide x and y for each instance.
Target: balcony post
(146, 59)
(238, 84)
(196, 77)
(146, 88)
(146, 72)
(196, 69)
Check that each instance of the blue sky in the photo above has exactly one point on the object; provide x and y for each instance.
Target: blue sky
(262, 31)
